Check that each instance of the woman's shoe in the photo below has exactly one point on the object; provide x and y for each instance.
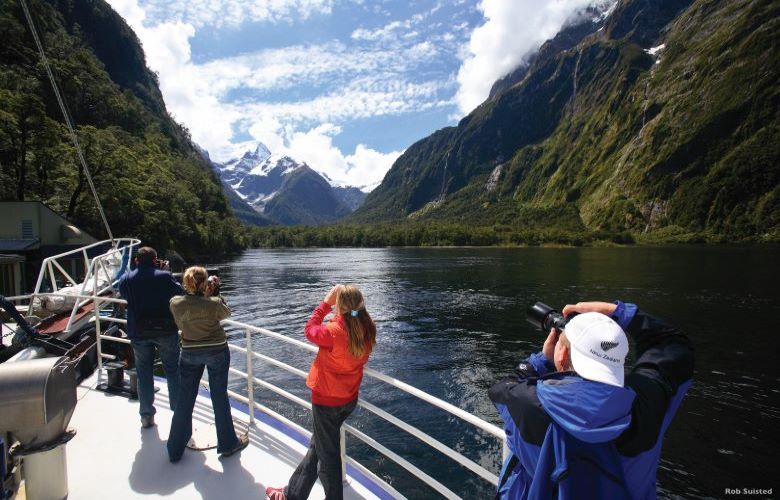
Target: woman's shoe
(243, 442)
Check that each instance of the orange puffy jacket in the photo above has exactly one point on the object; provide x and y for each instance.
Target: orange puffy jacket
(335, 374)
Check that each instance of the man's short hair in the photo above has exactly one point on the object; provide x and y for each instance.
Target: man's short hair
(146, 255)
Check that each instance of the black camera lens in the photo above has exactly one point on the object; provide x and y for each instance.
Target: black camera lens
(545, 317)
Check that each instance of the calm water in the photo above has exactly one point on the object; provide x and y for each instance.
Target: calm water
(452, 321)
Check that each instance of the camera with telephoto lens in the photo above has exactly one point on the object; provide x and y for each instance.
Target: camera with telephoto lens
(545, 317)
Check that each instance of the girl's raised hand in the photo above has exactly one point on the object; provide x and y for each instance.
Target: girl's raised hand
(330, 298)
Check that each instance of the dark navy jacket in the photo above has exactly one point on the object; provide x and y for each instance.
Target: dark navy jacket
(148, 292)
(575, 438)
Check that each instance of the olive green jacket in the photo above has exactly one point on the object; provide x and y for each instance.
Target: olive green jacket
(198, 319)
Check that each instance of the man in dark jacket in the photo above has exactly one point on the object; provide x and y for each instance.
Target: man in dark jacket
(576, 427)
(148, 291)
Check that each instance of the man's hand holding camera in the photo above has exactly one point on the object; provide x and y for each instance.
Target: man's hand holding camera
(548, 349)
(605, 308)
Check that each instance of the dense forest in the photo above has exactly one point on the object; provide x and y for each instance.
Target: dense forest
(416, 234)
(150, 179)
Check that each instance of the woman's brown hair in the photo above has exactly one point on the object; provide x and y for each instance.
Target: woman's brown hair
(195, 279)
(360, 327)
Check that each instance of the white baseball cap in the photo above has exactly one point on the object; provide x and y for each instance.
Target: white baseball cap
(598, 348)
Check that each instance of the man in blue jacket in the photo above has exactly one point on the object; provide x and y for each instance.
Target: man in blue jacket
(148, 291)
(576, 426)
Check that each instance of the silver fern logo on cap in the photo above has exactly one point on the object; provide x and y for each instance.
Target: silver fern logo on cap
(606, 346)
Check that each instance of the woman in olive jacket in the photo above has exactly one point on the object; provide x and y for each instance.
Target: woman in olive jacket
(204, 345)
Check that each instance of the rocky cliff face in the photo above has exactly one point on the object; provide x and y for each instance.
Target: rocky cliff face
(662, 118)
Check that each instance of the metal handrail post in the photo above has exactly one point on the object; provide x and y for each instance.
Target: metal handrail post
(37, 289)
(250, 384)
(98, 340)
(52, 278)
(343, 451)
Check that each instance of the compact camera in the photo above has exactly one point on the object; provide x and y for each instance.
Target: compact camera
(214, 284)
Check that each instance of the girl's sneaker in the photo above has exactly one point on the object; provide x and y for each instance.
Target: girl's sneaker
(275, 493)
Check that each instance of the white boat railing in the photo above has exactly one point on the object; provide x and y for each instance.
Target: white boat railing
(97, 272)
(475, 421)
(252, 381)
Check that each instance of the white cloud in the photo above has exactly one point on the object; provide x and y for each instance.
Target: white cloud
(363, 98)
(512, 31)
(363, 168)
(187, 96)
(233, 13)
(369, 167)
(385, 33)
(333, 64)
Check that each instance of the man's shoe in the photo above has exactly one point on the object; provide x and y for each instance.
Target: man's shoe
(275, 493)
(243, 442)
(147, 421)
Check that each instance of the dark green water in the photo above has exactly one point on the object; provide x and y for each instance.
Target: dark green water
(452, 321)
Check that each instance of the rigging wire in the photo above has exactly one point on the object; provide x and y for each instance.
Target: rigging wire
(66, 115)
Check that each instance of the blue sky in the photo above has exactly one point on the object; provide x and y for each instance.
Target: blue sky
(344, 85)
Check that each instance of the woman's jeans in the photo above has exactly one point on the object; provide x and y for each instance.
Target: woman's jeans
(324, 448)
(143, 351)
(191, 366)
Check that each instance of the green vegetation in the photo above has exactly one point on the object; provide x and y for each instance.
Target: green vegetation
(426, 234)
(152, 182)
(433, 233)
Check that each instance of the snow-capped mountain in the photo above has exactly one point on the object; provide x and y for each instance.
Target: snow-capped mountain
(286, 190)
(245, 164)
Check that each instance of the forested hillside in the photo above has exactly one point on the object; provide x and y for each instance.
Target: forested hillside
(661, 120)
(151, 180)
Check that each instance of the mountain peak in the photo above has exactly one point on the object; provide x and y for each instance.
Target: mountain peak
(282, 188)
(260, 153)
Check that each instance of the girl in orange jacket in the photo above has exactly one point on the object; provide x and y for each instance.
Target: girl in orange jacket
(345, 344)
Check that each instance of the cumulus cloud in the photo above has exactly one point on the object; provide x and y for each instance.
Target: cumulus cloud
(297, 65)
(387, 32)
(233, 13)
(364, 168)
(513, 30)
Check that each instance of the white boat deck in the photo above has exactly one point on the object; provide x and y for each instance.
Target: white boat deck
(111, 456)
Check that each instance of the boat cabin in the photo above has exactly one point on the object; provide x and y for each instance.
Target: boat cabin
(29, 232)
